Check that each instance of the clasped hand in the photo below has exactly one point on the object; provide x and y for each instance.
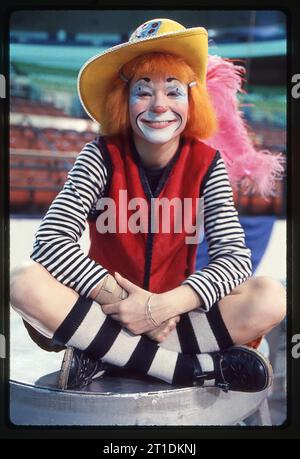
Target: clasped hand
(131, 312)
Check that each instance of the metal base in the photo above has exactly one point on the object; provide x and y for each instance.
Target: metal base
(127, 401)
(123, 399)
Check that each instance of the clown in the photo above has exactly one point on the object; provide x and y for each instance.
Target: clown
(136, 301)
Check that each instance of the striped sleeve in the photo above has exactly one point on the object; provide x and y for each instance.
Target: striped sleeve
(229, 258)
(56, 244)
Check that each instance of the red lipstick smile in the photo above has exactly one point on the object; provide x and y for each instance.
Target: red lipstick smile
(158, 124)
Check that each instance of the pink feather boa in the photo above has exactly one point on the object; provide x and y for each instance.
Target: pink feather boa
(248, 168)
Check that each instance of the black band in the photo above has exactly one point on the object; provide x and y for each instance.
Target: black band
(219, 328)
(69, 326)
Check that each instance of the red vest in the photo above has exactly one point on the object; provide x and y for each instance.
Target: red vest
(156, 261)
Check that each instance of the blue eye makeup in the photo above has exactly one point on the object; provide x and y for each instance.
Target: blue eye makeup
(176, 91)
(141, 91)
(173, 90)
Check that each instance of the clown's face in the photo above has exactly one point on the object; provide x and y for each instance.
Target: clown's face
(158, 108)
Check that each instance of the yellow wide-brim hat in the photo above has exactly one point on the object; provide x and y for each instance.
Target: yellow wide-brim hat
(158, 35)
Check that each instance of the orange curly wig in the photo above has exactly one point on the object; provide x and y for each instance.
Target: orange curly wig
(201, 122)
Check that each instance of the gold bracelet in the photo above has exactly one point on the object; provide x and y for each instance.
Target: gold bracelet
(148, 312)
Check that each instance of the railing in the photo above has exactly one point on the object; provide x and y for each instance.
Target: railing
(37, 177)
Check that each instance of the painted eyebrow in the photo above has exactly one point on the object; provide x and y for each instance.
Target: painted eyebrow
(148, 80)
(144, 79)
(172, 79)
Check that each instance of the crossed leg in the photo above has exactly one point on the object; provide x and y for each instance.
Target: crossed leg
(252, 309)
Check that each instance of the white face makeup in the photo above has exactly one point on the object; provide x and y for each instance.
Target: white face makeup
(158, 108)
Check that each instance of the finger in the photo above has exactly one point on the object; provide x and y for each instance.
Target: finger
(161, 337)
(164, 329)
(173, 323)
(125, 283)
(111, 308)
(151, 335)
(115, 317)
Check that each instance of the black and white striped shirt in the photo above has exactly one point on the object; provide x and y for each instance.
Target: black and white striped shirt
(56, 245)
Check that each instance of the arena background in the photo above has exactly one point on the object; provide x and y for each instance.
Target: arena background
(48, 128)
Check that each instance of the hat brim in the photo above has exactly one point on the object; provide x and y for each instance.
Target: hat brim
(95, 77)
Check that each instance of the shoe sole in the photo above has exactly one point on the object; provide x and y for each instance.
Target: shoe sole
(267, 364)
(65, 368)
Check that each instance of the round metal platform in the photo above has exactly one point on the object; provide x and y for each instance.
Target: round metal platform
(117, 399)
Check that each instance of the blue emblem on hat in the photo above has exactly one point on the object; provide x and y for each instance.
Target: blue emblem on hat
(147, 30)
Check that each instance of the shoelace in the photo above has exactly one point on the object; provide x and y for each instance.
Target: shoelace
(238, 372)
(85, 374)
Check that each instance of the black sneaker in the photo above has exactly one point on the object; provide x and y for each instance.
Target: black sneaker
(78, 370)
(239, 368)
